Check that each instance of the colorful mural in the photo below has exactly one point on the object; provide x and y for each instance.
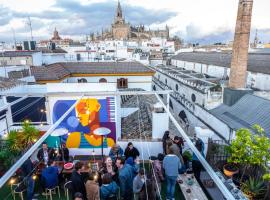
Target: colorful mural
(88, 115)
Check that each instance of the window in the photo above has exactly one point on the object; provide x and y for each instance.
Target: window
(176, 87)
(122, 83)
(102, 80)
(154, 88)
(82, 80)
(193, 97)
(171, 105)
(166, 81)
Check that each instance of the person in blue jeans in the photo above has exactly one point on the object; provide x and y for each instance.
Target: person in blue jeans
(27, 172)
(171, 166)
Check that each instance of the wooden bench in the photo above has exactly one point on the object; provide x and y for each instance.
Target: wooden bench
(196, 190)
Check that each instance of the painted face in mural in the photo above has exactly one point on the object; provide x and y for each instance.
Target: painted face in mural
(87, 111)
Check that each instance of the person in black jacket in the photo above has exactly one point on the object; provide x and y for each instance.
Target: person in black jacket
(45, 154)
(77, 180)
(131, 151)
(63, 153)
(165, 139)
(27, 172)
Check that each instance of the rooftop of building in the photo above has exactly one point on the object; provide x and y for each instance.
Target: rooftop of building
(7, 83)
(245, 113)
(20, 53)
(58, 71)
(257, 62)
(48, 50)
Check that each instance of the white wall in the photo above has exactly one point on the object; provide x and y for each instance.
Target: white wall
(256, 80)
(143, 82)
(182, 89)
(37, 59)
(50, 58)
(146, 149)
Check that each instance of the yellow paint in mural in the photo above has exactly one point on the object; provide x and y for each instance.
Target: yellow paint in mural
(93, 140)
(74, 140)
(87, 110)
(110, 142)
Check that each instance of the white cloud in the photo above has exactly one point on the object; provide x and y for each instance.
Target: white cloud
(194, 18)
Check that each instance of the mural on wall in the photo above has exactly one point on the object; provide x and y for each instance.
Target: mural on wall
(88, 115)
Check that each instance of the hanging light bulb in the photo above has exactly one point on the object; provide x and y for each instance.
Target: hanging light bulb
(12, 181)
(34, 177)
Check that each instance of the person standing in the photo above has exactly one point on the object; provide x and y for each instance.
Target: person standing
(196, 164)
(171, 165)
(179, 142)
(63, 153)
(109, 189)
(108, 167)
(92, 188)
(138, 184)
(27, 172)
(116, 152)
(77, 180)
(131, 151)
(159, 175)
(125, 172)
(165, 139)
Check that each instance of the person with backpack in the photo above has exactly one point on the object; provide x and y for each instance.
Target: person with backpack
(109, 189)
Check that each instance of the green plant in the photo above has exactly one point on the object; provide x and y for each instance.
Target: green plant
(188, 155)
(13, 143)
(29, 134)
(6, 158)
(254, 187)
(250, 149)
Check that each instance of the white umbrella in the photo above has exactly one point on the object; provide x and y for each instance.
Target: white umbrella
(59, 132)
(102, 131)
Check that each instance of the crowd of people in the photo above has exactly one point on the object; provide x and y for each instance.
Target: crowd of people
(120, 177)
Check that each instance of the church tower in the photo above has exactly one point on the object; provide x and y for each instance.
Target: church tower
(120, 29)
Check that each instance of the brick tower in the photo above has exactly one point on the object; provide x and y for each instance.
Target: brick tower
(241, 45)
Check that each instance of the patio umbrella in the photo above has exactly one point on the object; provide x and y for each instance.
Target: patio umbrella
(58, 133)
(102, 131)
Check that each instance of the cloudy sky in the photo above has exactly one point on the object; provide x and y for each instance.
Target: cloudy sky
(204, 21)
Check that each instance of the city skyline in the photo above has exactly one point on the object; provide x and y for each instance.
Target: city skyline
(206, 21)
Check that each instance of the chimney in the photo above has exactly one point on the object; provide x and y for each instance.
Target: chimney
(237, 82)
(241, 45)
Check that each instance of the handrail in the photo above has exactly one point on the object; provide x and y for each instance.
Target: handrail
(18, 164)
(227, 194)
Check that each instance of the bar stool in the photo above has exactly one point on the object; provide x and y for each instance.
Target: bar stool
(67, 187)
(48, 191)
(14, 192)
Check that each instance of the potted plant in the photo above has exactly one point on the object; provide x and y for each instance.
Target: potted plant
(230, 169)
(254, 188)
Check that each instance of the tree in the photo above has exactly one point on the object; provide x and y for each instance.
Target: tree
(29, 134)
(250, 149)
